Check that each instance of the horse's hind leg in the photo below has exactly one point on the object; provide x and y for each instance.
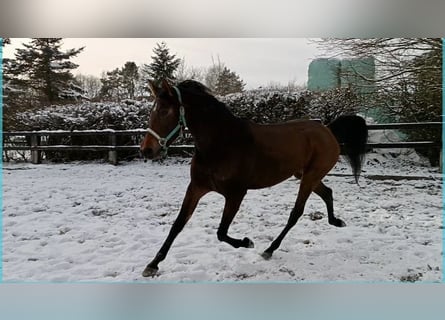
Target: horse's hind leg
(306, 187)
(326, 194)
(233, 202)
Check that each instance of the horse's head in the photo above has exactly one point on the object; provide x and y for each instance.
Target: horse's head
(166, 120)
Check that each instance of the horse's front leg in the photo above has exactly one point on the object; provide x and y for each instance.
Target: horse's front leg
(192, 196)
(233, 202)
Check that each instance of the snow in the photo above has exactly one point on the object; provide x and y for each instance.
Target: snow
(126, 115)
(97, 222)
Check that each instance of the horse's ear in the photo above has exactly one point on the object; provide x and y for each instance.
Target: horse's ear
(153, 88)
(167, 87)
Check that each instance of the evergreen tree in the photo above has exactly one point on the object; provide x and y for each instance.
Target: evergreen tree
(221, 80)
(16, 95)
(45, 68)
(163, 65)
(14, 91)
(130, 77)
(120, 83)
(111, 85)
(6, 71)
(228, 82)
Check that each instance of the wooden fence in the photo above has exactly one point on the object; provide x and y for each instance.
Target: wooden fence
(32, 140)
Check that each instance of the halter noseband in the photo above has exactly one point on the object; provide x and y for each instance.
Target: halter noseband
(179, 127)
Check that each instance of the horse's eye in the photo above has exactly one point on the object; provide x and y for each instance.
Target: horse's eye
(163, 112)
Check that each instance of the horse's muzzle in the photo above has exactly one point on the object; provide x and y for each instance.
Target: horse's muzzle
(147, 153)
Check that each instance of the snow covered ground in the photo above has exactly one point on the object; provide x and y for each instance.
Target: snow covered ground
(98, 222)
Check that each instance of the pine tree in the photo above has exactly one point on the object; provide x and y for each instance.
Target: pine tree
(228, 82)
(111, 85)
(7, 66)
(16, 96)
(163, 65)
(13, 90)
(43, 67)
(130, 76)
(120, 83)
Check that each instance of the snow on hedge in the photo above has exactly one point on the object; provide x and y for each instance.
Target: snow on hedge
(125, 115)
(258, 106)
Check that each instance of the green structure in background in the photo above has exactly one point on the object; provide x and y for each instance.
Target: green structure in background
(324, 74)
(358, 74)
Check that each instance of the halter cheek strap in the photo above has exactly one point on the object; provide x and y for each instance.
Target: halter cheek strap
(179, 127)
(179, 95)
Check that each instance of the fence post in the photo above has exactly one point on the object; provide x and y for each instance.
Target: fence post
(112, 154)
(35, 154)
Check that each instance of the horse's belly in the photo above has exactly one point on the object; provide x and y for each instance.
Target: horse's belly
(265, 184)
(270, 176)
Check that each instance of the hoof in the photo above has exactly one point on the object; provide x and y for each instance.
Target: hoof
(247, 243)
(266, 255)
(150, 271)
(338, 223)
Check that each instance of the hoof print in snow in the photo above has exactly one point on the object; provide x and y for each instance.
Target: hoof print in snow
(286, 270)
(412, 277)
(317, 215)
(103, 212)
(64, 230)
(98, 212)
(111, 274)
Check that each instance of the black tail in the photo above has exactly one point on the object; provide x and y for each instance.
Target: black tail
(352, 134)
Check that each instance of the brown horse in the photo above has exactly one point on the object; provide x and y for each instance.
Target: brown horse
(233, 155)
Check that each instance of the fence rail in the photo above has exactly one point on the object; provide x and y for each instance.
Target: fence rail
(406, 125)
(34, 139)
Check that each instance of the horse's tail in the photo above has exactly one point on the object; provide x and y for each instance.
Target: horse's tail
(352, 134)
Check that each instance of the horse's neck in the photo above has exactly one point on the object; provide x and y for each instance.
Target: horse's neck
(215, 131)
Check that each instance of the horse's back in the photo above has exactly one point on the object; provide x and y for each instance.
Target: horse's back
(290, 148)
(301, 135)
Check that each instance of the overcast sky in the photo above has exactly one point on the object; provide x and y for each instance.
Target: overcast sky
(258, 61)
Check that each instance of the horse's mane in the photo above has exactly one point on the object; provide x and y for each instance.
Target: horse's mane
(207, 99)
(195, 87)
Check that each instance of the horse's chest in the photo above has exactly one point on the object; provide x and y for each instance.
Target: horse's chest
(225, 178)
(223, 175)
(222, 181)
